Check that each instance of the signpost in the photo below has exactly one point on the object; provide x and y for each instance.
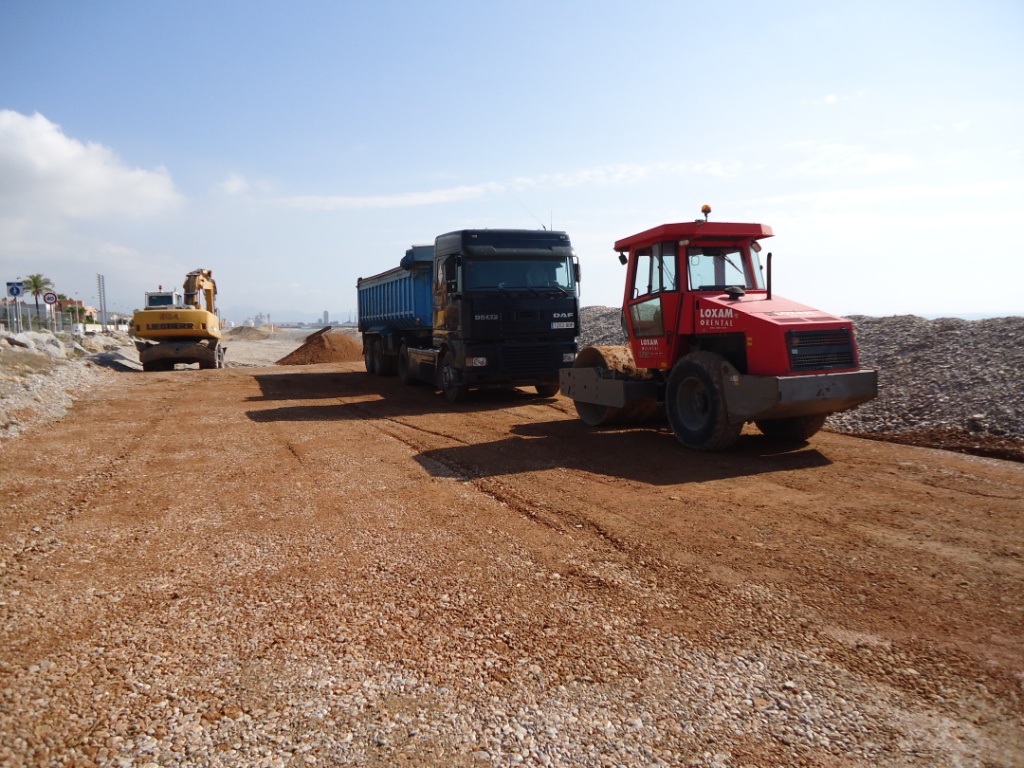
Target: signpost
(14, 290)
(50, 298)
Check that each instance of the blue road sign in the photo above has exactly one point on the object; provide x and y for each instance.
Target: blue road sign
(15, 289)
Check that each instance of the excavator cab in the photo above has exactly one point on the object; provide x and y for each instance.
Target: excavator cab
(163, 300)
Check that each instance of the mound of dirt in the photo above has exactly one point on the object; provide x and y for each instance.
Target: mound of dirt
(324, 347)
(248, 333)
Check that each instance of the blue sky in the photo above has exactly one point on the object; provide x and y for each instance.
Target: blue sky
(294, 147)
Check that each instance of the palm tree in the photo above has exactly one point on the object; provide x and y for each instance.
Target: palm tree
(37, 285)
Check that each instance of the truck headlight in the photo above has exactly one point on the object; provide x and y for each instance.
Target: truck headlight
(568, 357)
(477, 362)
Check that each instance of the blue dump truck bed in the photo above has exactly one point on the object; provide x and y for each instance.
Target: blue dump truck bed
(401, 298)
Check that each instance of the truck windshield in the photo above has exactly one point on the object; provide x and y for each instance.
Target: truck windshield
(715, 269)
(530, 274)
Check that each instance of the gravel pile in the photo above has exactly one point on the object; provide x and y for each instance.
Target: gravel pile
(950, 383)
(946, 383)
(601, 326)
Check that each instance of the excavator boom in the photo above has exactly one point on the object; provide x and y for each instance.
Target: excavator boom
(200, 281)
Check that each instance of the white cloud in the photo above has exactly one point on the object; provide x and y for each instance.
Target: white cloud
(841, 200)
(837, 159)
(121, 252)
(234, 184)
(605, 175)
(398, 200)
(831, 99)
(44, 173)
(600, 176)
(722, 170)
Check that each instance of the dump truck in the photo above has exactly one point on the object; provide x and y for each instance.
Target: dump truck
(180, 327)
(712, 348)
(478, 308)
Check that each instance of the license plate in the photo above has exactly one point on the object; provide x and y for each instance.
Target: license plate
(562, 325)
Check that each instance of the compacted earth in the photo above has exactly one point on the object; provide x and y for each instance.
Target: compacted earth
(306, 565)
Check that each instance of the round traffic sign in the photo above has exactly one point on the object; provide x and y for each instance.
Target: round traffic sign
(14, 289)
(50, 297)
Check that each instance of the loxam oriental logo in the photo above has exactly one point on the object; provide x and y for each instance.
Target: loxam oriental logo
(715, 317)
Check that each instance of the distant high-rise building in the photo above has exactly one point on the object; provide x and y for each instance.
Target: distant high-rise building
(327, 320)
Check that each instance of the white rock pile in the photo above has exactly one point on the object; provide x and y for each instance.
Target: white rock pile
(40, 373)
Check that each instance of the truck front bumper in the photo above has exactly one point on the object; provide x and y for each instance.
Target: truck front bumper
(514, 363)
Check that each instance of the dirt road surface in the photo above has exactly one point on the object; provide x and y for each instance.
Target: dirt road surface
(311, 566)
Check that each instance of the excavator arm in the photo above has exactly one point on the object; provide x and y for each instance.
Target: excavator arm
(200, 281)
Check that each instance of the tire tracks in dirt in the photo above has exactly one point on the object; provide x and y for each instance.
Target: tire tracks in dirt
(646, 566)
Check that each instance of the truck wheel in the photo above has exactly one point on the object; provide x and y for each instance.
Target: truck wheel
(210, 362)
(368, 354)
(448, 380)
(380, 365)
(404, 371)
(797, 429)
(696, 406)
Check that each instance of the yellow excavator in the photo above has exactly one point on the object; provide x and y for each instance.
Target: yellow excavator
(177, 328)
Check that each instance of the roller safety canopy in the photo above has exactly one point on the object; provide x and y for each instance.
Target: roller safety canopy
(695, 231)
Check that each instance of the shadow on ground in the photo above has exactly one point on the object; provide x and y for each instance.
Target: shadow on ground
(115, 361)
(645, 454)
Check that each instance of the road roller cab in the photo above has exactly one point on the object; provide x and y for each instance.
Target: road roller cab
(712, 348)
